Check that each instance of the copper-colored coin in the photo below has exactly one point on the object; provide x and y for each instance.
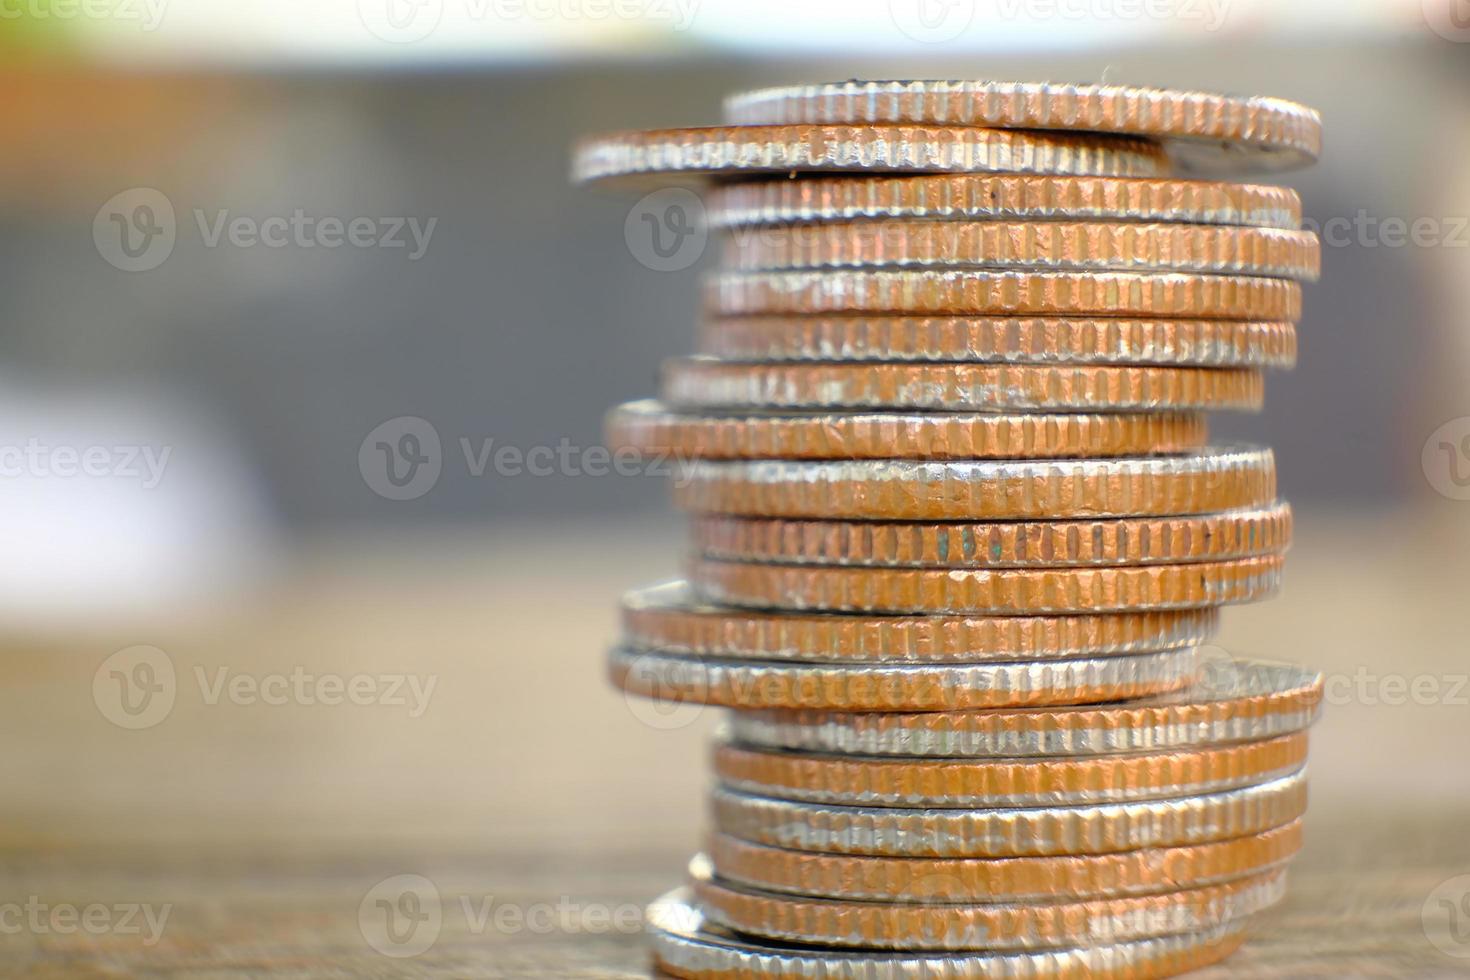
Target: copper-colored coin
(1204, 131)
(1005, 544)
(652, 429)
(1010, 832)
(1231, 701)
(909, 926)
(1033, 197)
(993, 591)
(1029, 879)
(1007, 293)
(705, 383)
(896, 687)
(686, 944)
(1017, 340)
(749, 150)
(668, 618)
(1071, 245)
(1047, 781)
(1200, 483)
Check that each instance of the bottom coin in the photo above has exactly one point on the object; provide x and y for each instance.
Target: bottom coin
(686, 945)
(900, 926)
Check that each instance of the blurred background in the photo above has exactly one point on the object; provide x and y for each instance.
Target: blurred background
(243, 244)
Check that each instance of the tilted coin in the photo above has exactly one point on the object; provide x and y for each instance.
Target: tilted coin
(1204, 131)
(747, 150)
(1176, 294)
(686, 945)
(908, 926)
(1199, 483)
(1035, 197)
(705, 383)
(1046, 781)
(896, 687)
(1009, 832)
(1028, 879)
(683, 438)
(670, 619)
(1070, 245)
(1001, 591)
(997, 544)
(1231, 701)
(1014, 340)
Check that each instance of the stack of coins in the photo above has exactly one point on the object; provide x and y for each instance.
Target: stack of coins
(959, 534)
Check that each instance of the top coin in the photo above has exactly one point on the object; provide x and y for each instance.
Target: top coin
(728, 151)
(1202, 132)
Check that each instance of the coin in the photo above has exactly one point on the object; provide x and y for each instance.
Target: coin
(993, 292)
(1230, 702)
(909, 926)
(1046, 781)
(1029, 879)
(651, 429)
(1063, 245)
(1205, 132)
(669, 618)
(896, 687)
(1125, 588)
(1035, 197)
(705, 383)
(1200, 483)
(750, 150)
(1010, 832)
(1005, 544)
(1020, 340)
(686, 945)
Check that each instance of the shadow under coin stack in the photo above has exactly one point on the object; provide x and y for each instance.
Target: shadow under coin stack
(959, 534)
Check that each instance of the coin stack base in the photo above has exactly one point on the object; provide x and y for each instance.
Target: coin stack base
(959, 535)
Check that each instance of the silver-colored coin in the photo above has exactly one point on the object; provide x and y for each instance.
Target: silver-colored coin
(687, 945)
(1230, 702)
(898, 687)
(669, 618)
(1096, 829)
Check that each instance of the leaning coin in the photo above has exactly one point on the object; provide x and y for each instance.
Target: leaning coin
(705, 383)
(1033, 197)
(1210, 480)
(992, 292)
(1203, 131)
(678, 440)
(1039, 831)
(1031, 245)
(909, 926)
(723, 151)
(1011, 340)
(898, 687)
(668, 618)
(686, 945)
(1002, 591)
(1030, 879)
(1230, 702)
(966, 783)
(997, 544)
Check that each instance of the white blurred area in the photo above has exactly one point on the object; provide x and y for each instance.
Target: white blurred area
(518, 31)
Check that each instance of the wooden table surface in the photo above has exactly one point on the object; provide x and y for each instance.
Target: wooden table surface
(541, 810)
